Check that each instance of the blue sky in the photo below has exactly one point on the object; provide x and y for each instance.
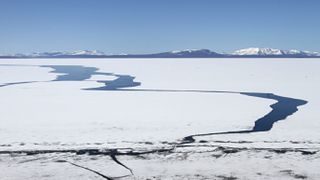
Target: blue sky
(147, 26)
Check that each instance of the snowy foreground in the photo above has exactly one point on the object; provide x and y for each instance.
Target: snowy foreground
(158, 119)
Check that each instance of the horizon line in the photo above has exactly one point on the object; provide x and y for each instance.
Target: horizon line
(102, 53)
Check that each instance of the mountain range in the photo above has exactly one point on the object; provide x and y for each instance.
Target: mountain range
(189, 53)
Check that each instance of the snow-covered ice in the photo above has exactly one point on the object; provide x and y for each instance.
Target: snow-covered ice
(172, 102)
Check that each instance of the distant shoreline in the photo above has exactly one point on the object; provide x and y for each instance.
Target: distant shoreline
(144, 57)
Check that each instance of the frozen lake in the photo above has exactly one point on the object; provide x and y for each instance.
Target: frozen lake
(147, 104)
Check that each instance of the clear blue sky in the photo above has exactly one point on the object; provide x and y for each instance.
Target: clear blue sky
(146, 26)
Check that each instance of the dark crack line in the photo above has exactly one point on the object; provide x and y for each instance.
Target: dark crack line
(137, 153)
(96, 172)
(92, 152)
(16, 83)
(113, 157)
(130, 153)
(86, 168)
(91, 170)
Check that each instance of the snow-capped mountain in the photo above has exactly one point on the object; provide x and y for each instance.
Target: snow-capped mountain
(66, 53)
(258, 51)
(273, 52)
(192, 51)
(87, 52)
(306, 53)
(188, 53)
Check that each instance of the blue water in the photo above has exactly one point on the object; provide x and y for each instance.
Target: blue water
(74, 73)
(81, 73)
